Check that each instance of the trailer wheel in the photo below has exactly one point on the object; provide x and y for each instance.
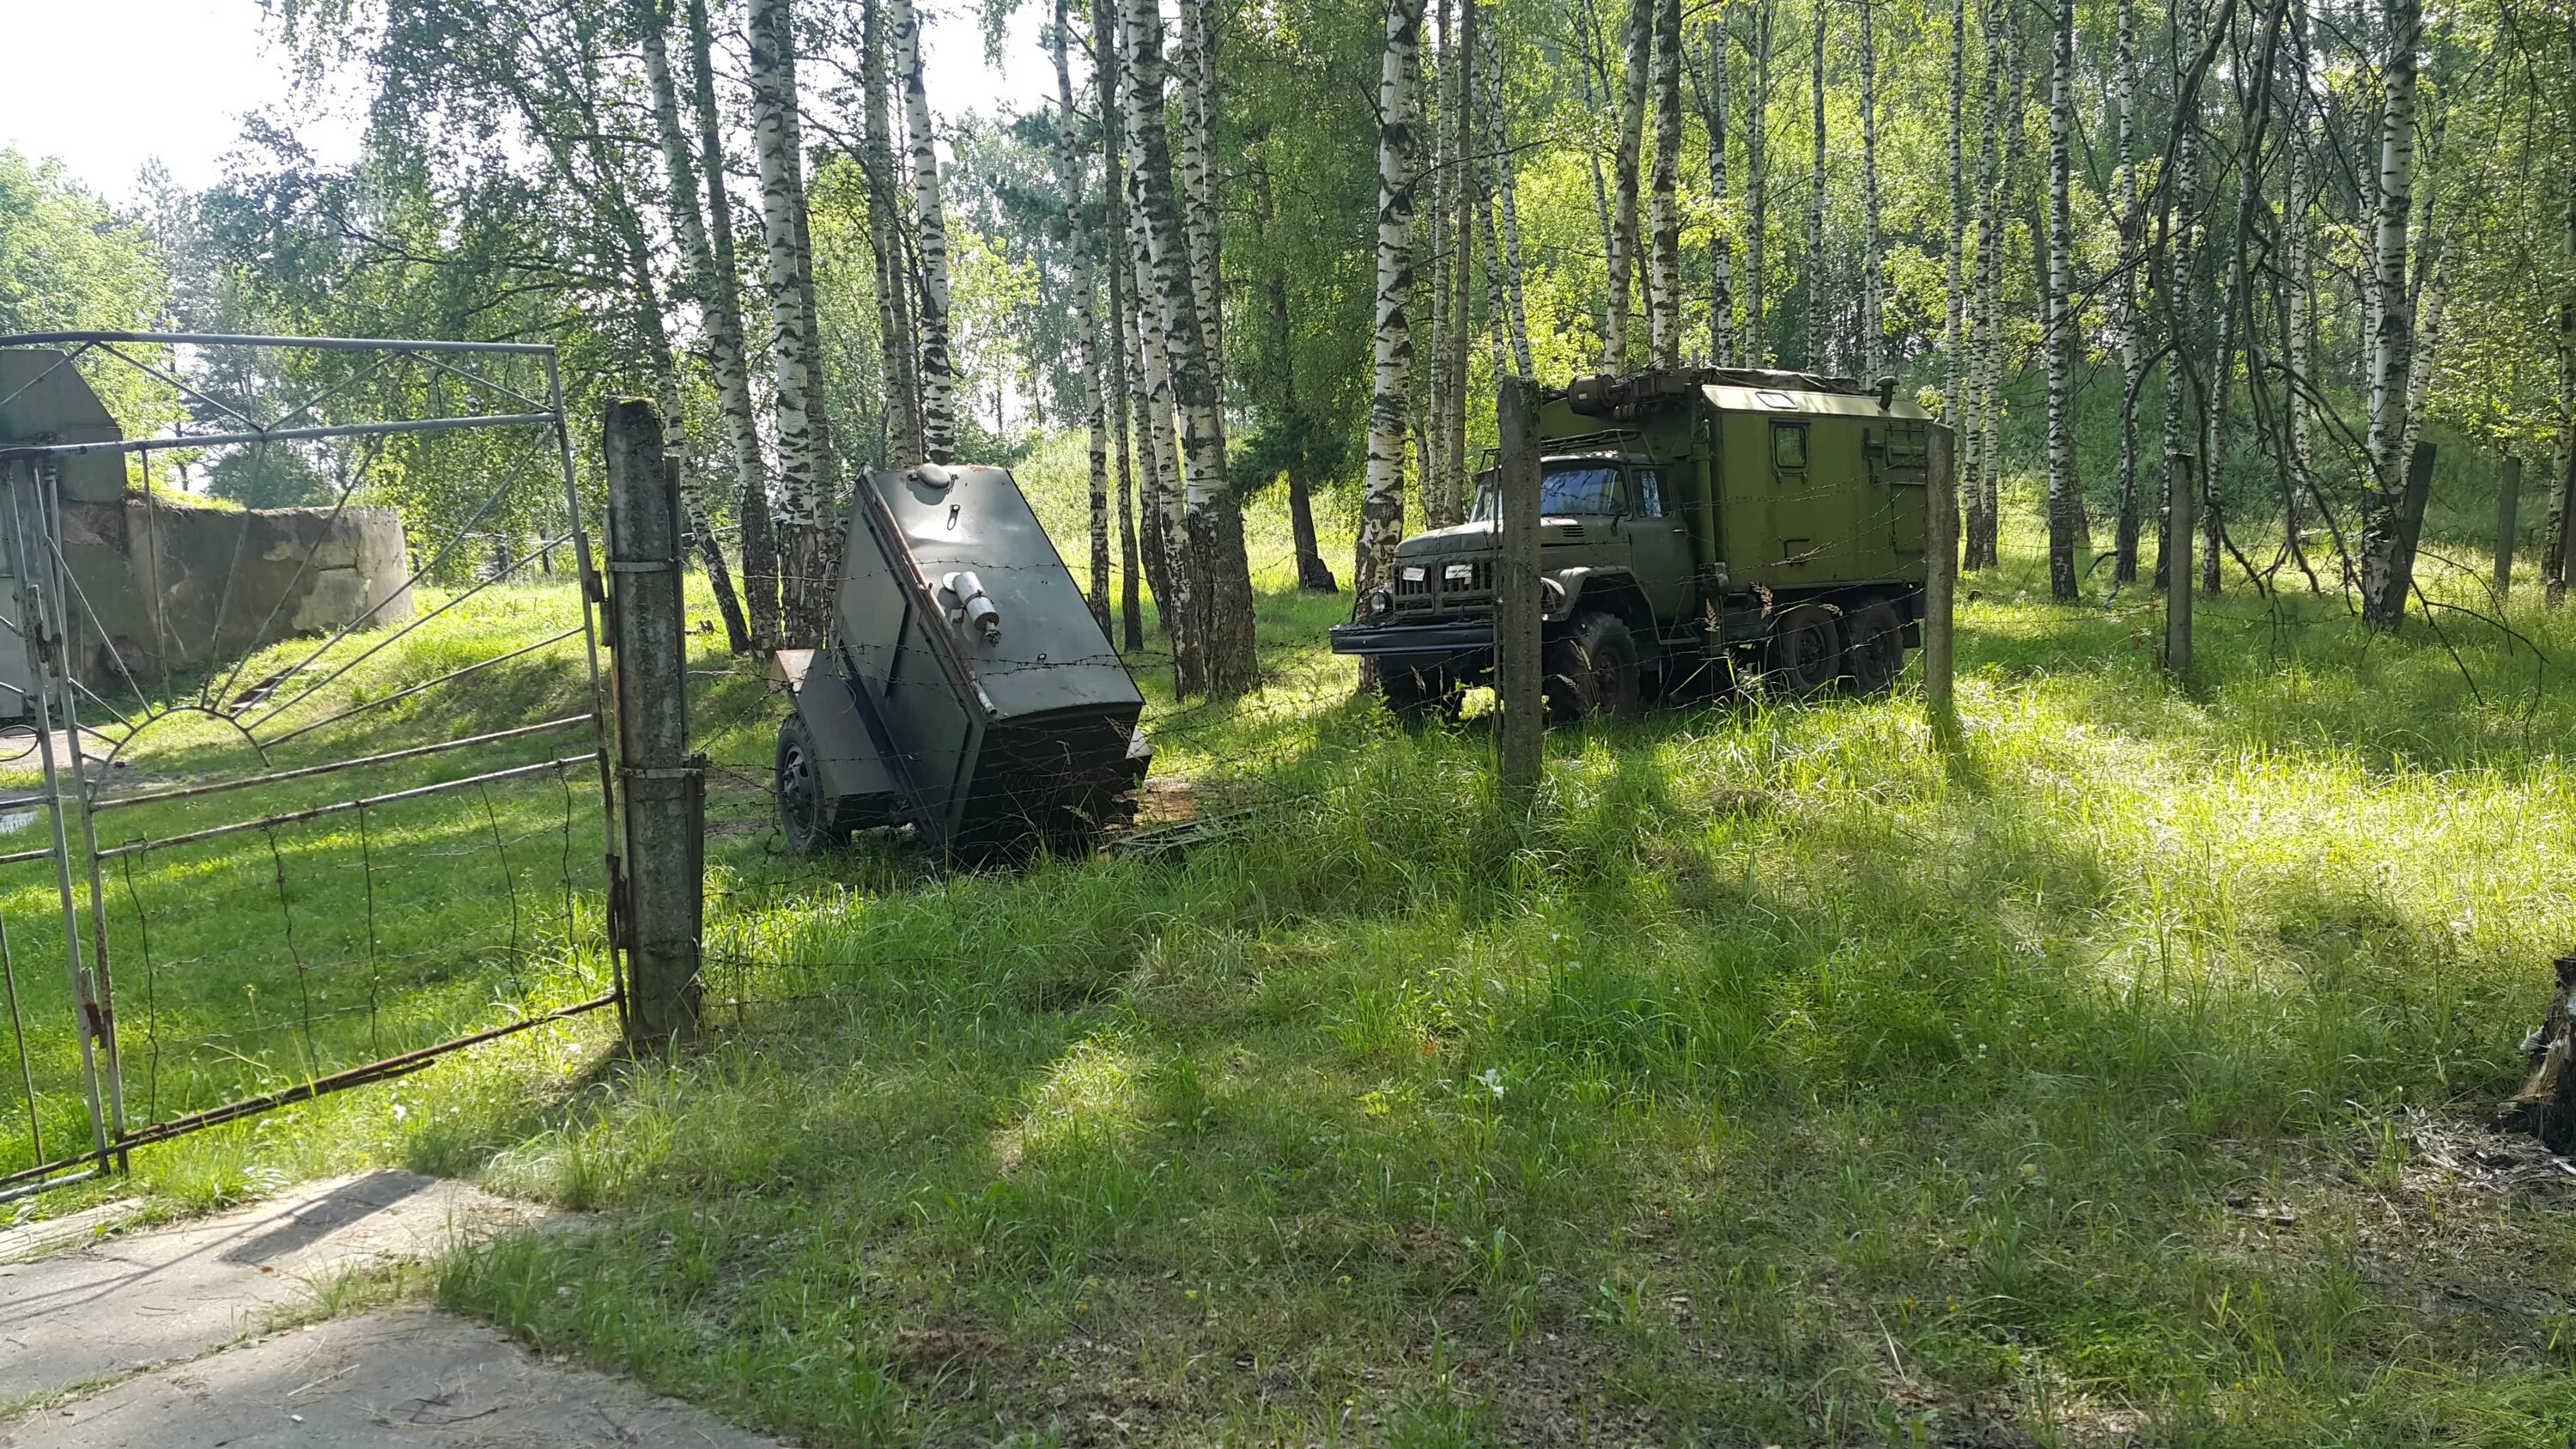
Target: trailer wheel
(1593, 670)
(1807, 649)
(1877, 653)
(812, 819)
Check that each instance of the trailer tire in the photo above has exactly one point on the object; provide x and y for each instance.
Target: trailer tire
(1806, 651)
(812, 819)
(1876, 655)
(1593, 670)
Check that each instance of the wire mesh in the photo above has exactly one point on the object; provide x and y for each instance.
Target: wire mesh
(291, 857)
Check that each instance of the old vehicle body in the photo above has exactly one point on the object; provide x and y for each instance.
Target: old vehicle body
(963, 688)
(1697, 526)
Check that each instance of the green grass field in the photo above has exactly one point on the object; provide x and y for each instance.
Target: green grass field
(1779, 1079)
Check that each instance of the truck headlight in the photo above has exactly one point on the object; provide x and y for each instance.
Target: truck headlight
(1377, 604)
(1551, 598)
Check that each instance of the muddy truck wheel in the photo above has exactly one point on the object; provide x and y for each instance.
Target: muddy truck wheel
(1592, 670)
(813, 820)
(1807, 650)
(1877, 653)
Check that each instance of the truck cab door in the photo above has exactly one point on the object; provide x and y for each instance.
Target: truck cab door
(1657, 531)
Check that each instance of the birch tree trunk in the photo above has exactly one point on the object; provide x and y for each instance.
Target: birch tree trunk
(714, 294)
(1166, 530)
(1391, 359)
(1811, 278)
(2383, 589)
(1623, 239)
(2065, 503)
(896, 353)
(2296, 286)
(2562, 486)
(1431, 415)
(1873, 265)
(2133, 366)
(1664, 216)
(1068, 167)
(2181, 198)
(733, 384)
(1757, 190)
(1219, 575)
(1596, 96)
(930, 230)
(1465, 195)
(1954, 339)
(1113, 253)
(2015, 137)
(1507, 201)
(1979, 463)
(805, 464)
(1709, 81)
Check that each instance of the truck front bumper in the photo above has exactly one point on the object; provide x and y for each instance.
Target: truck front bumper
(1431, 643)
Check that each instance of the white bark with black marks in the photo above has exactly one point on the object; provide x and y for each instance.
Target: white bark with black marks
(930, 237)
(1391, 348)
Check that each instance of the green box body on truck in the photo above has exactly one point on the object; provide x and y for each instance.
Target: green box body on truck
(1698, 526)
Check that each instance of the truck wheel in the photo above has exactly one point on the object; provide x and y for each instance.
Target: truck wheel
(1877, 653)
(1592, 670)
(812, 820)
(1412, 695)
(1807, 649)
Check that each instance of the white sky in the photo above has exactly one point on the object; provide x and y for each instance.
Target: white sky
(106, 85)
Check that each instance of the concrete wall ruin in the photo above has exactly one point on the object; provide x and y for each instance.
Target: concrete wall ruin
(166, 584)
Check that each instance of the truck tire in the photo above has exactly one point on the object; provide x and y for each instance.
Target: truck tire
(1414, 695)
(1876, 655)
(813, 820)
(1807, 650)
(1592, 670)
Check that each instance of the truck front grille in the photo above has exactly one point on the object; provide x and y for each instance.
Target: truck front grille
(1443, 583)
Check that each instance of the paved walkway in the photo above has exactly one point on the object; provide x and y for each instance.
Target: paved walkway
(145, 1314)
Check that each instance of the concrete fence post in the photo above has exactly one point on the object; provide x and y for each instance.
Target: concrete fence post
(1517, 605)
(661, 786)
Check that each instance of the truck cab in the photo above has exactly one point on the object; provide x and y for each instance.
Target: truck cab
(1697, 526)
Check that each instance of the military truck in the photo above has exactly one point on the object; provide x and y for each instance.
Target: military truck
(1698, 527)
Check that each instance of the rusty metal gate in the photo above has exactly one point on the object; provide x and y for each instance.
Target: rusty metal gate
(295, 807)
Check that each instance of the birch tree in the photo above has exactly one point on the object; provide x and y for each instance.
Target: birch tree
(1708, 80)
(1069, 168)
(1382, 504)
(720, 309)
(2065, 503)
(804, 450)
(1811, 278)
(1757, 187)
(1124, 370)
(1220, 576)
(1873, 262)
(897, 354)
(1623, 237)
(1462, 271)
(930, 238)
(2383, 585)
(1506, 203)
(2133, 363)
(1664, 261)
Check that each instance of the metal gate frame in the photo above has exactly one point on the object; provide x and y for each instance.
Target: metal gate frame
(29, 477)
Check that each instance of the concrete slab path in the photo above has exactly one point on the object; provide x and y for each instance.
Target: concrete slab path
(403, 1377)
(144, 1314)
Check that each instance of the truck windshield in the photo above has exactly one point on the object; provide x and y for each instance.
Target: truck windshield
(1563, 488)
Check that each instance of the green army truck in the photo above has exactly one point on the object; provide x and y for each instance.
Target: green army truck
(1698, 527)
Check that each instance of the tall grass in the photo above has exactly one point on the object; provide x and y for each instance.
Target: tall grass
(1779, 1078)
